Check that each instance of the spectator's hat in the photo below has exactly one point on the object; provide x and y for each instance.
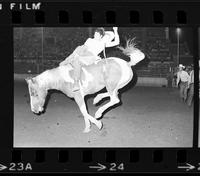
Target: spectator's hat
(181, 66)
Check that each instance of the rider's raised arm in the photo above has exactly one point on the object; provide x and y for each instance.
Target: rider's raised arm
(109, 37)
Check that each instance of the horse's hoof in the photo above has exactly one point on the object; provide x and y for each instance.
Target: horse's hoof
(86, 130)
(95, 101)
(98, 115)
(99, 125)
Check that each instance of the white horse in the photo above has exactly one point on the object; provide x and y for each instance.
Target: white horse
(112, 73)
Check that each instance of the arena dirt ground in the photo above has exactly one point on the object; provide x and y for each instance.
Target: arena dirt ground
(148, 117)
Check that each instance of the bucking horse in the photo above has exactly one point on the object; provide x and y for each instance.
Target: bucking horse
(111, 73)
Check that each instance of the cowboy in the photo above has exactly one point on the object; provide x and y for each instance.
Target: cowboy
(191, 87)
(87, 54)
(182, 81)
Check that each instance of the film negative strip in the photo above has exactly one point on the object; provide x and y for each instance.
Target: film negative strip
(99, 87)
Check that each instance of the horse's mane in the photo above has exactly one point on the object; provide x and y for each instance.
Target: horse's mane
(41, 78)
(129, 48)
(50, 77)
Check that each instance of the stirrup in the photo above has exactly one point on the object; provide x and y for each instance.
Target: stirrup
(76, 87)
(75, 90)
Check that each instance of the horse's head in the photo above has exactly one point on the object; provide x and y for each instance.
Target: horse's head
(132, 51)
(37, 95)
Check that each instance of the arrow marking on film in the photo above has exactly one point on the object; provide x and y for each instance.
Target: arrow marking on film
(188, 167)
(99, 167)
(2, 167)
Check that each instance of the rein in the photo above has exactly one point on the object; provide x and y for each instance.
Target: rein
(104, 53)
(104, 66)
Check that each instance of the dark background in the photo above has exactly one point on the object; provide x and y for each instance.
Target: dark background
(37, 49)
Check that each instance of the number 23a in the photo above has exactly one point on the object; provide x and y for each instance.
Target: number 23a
(20, 167)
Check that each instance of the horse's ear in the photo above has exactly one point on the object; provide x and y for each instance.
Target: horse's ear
(30, 79)
(27, 79)
(33, 80)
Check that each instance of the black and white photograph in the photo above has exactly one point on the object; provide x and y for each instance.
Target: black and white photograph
(199, 82)
(103, 87)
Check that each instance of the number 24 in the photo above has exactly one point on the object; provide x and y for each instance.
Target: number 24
(114, 167)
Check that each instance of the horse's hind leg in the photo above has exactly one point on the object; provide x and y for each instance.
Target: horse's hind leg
(99, 97)
(113, 100)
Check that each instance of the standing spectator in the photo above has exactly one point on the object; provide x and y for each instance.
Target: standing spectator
(182, 82)
(191, 88)
(187, 69)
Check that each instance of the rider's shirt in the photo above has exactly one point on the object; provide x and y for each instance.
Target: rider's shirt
(95, 46)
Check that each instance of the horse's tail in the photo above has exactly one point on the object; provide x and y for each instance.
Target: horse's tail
(134, 53)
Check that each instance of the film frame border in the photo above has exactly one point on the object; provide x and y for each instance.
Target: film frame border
(145, 155)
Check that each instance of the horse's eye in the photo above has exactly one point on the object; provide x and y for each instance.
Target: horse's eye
(33, 93)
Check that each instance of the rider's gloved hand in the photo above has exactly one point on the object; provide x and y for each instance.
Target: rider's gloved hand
(115, 29)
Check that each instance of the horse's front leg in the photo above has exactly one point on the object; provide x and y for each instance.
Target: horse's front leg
(87, 117)
(81, 103)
